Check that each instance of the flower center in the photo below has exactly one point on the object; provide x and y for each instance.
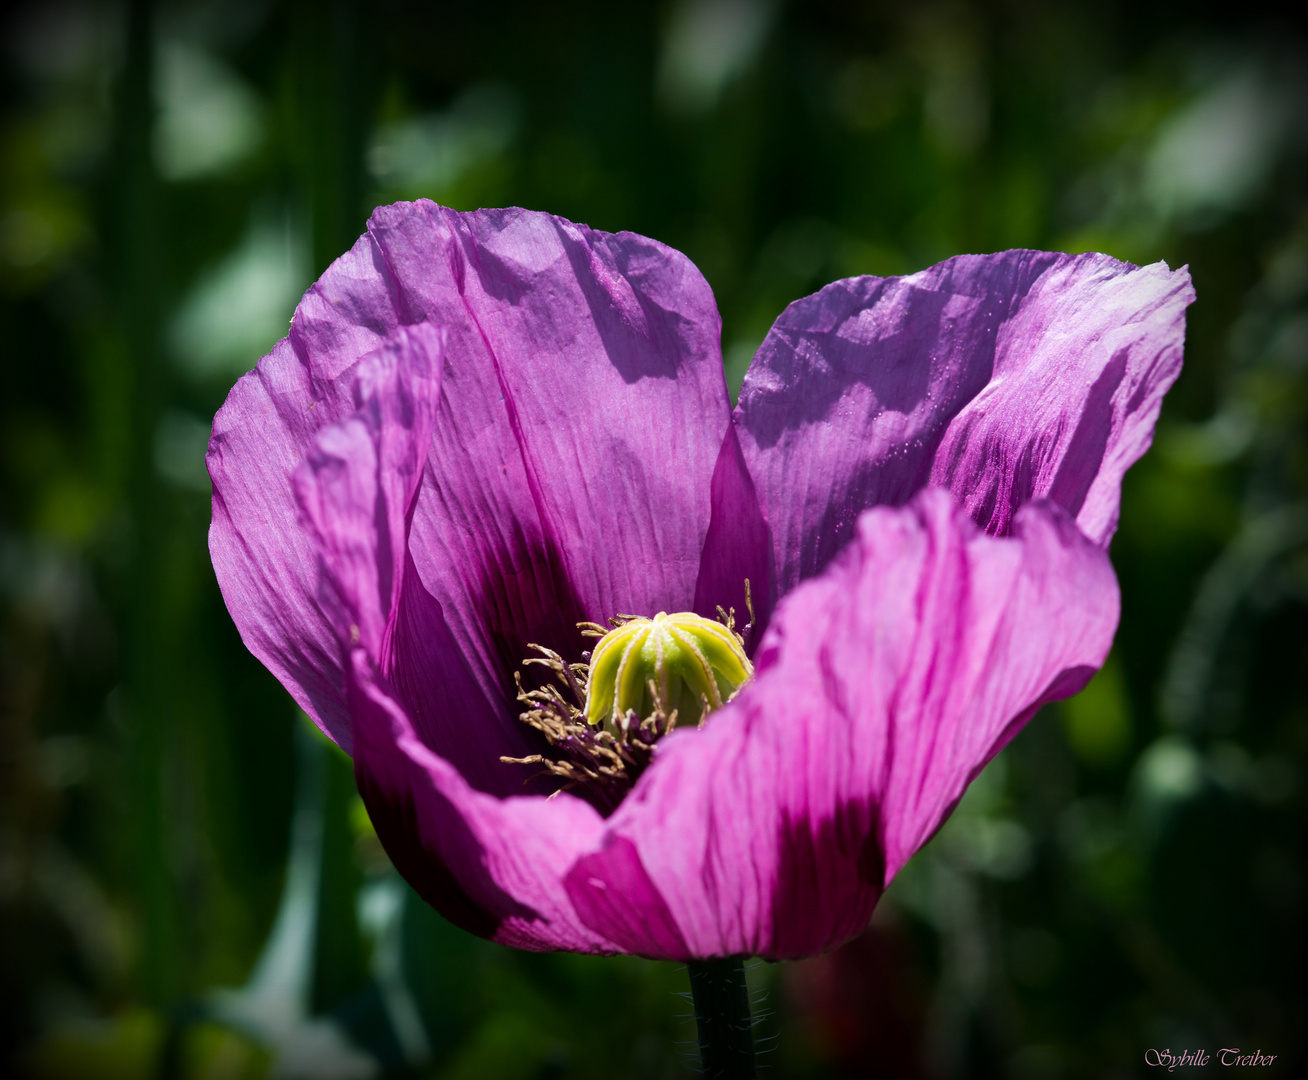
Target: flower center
(605, 716)
(683, 664)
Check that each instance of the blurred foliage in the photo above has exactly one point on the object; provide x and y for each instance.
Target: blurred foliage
(188, 884)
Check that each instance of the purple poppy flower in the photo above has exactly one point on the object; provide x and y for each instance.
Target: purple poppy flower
(486, 428)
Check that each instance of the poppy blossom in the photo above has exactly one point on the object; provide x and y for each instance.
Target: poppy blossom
(487, 432)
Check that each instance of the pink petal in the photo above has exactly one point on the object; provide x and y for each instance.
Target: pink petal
(883, 688)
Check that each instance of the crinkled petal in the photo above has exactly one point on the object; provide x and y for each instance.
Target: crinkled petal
(1005, 378)
(1080, 371)
(356, 489)
(358, 483)
(265, 563)
(883, 687)
(582, 412)
(493, 866)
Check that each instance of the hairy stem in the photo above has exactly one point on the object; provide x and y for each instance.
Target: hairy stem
(726, 1033)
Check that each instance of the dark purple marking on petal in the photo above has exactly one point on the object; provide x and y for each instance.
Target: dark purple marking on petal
(833, 864)
(614, 896)
(445, 701)
(423, 832)
(494, 866)
(737, 547)
(393, 811)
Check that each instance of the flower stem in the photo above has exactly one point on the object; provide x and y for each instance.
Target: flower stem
(726, 1032)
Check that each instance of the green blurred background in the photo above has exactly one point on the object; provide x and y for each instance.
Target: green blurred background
(188, 884)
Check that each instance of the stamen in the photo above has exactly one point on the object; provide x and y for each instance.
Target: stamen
(728, 619)
(605, 763)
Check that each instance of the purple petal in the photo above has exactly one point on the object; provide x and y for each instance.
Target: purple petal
(581, 416)
(883, 688)
(493, 866)
(1080, 371)
(1006, 378)
(582, 412)
(359, 481)
(356, 489)
(266, 565)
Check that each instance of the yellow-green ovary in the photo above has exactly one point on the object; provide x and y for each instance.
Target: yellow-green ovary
(689, 659)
